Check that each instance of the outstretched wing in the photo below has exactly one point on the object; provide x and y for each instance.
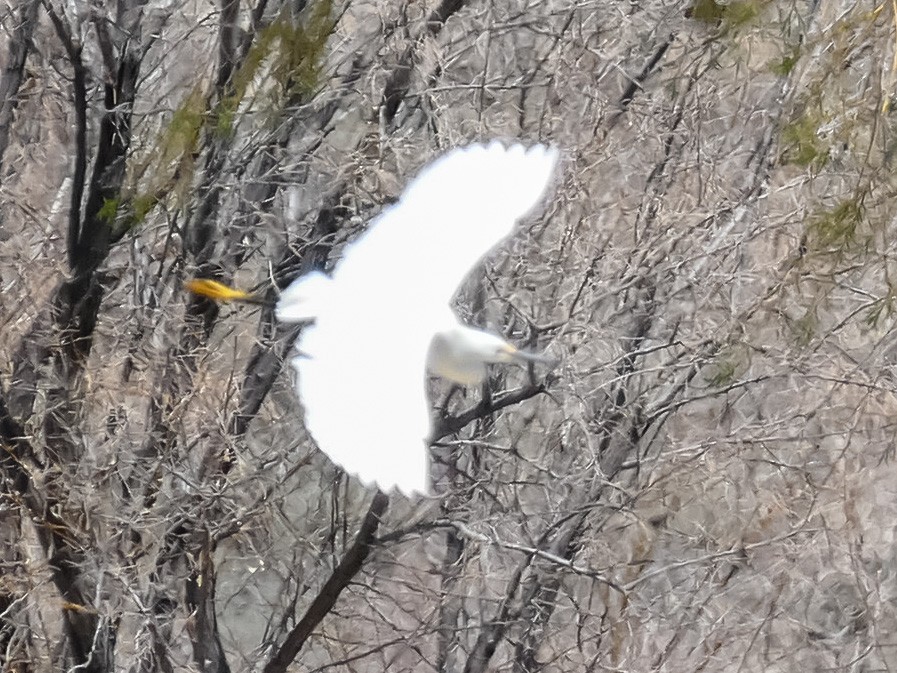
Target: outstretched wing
(362, 372)
(451, 215)
(365, 401)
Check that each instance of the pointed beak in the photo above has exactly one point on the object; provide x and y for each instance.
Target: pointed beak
(524, 357)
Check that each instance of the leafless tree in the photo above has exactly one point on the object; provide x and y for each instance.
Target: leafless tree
(706, 481)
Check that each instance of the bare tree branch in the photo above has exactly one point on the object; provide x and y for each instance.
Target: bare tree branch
(11, 76)
(203, 626)
(342, 575)
(448, 425)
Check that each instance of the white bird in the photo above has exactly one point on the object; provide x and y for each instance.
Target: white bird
(384, 318)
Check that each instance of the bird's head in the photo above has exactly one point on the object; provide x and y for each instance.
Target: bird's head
(508, 353)
(503, 352)
(492, 349)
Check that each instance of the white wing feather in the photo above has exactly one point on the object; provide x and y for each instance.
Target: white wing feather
(362, 375)
(454, 212)
(368, 414)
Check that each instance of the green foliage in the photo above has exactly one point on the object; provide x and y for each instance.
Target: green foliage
(740, 13)
(180, 151)
(881, 308)
(142, 205)
(804, 328)
(723, 372)
(298, 60)
(284, 59)
(803, 146)
(786, 64)
(183, 133)
(169, 168)
(292, 52)
(108, 211)
(729, 15)
(126, 213)
(838, 226)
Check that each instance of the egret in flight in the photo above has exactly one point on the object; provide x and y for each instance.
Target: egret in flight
(383, 318)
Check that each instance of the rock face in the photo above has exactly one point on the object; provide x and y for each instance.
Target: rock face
(705, 482)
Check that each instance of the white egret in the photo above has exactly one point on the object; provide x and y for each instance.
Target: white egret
(384, 318)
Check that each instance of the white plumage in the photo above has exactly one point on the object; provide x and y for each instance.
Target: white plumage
(385, 311)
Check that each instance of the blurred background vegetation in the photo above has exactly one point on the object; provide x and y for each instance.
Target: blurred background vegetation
(705, 483)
